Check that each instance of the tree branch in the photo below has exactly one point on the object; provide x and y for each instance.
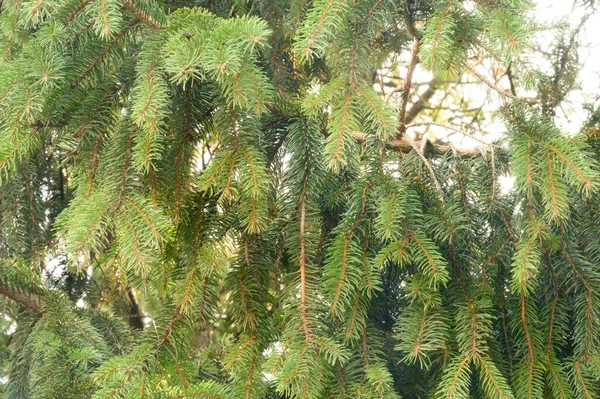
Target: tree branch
(402, 145)
(420, 153)
(26, 299)
(421, 103)
(407, 85)
(500, 90)
(102, 53)
(140, 14)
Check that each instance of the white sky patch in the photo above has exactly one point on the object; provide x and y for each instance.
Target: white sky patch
(506, 183)
(12, 327)
(55, 267)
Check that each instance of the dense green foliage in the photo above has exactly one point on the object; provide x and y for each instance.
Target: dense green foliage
(217, 199)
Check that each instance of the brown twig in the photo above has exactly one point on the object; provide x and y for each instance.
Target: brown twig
(421, 103)
(402, 145)
(30, 300)
(102, 53)
(500, 90)
(140, 14)
(414, 60)
(427, 164)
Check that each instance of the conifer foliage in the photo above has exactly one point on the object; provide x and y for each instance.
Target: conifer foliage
(222, 199)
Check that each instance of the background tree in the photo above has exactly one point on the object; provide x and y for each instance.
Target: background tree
(267, 199)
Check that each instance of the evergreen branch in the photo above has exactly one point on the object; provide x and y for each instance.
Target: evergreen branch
(455, 386)
(581, 380)
(296, 19)
(588, 297)
(555, 210)
(26, 299)
(317, 28)
(75, 11)
(146, 218)
(316, 176)
(365, 259)
(255, 178)
(494, 378)
(298, 365)
(90, 232)
(27, 141)
(523, 316)
(339, 134)
(7, 45)
(207, 179)
(102, 53)
(440, 23)
(586, 181)
(557, 381)
(141, 261)
(323, 94)
(9, 87)
(342, 276)
(141, 14)
(168, 331)
(353, 315)
(428, 256)
(240, 350)
(551, 325)
(279, 359)
(303, 274)
(382, 119)
(529, 170)
(250, 378)
(106, 29)
(525, 266)
(95, 163)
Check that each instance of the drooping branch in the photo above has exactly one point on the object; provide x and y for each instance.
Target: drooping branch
(428, 165)
(31, 301)
(303, 277)
(103, 53)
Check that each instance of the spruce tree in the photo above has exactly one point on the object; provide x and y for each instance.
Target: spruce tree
(244, 199)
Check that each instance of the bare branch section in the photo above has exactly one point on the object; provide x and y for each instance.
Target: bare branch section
(422, 102)
(407, 85)
(499, 90)
(402, 145)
